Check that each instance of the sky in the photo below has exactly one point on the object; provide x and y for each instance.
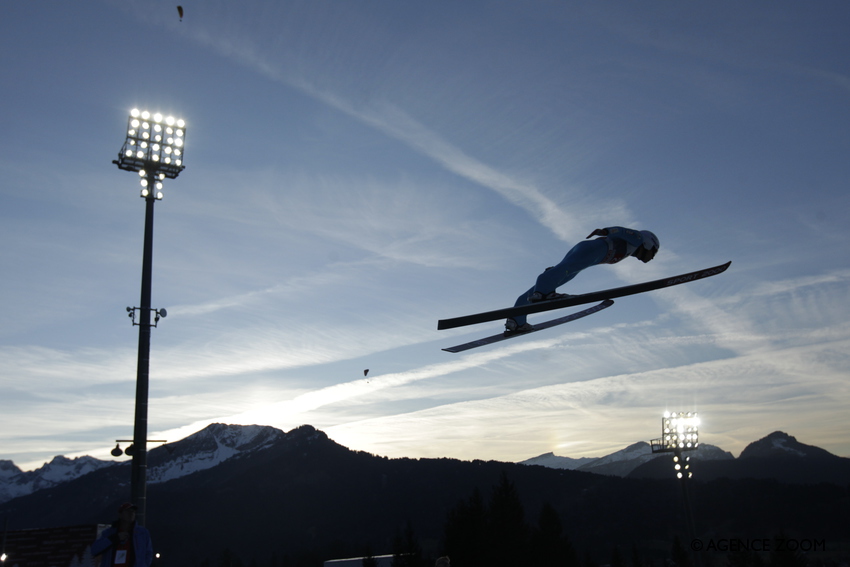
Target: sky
(357, 170)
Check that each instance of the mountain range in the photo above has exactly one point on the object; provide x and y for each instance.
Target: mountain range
(14, 482)
(778, 456)
(623, 462)
(219, 442)
(202, 450)
(260, 493)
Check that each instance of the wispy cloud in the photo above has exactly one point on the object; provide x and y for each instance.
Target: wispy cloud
(622, 409)
(393, 121)
(292, 412)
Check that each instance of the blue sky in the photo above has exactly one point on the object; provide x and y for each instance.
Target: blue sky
(356, 171)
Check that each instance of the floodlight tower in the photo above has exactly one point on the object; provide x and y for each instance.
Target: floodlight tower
(153, 148)
(679, 434)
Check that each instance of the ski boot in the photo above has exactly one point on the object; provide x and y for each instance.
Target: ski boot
(537, 296)
(511, 327)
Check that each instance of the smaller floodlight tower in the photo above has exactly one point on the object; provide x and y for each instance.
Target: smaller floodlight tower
(153, 148)
(680, 434)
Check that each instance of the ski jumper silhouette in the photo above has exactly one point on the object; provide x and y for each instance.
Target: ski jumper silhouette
(614, 244)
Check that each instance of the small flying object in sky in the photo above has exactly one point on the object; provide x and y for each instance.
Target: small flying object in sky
(180, 12)
(365, 372)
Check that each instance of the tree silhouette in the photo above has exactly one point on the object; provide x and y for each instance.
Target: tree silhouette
(679, 555)
(406, 549)
(498, 536)
(741, 556)
(784, 553)
(636, 558)
(549, 546)
(589, 561)
(465, 532)
(507, 531)
(617, 557)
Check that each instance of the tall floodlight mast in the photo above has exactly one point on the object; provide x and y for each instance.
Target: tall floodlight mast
(680, 434)
(153, 148)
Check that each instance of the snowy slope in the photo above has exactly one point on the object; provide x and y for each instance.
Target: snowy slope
(553, 461)
(781, 445)
(202, 450)
(624, 461)
(207, 448)
(14, 482)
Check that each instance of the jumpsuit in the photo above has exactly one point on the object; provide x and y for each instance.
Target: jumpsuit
(619, 243)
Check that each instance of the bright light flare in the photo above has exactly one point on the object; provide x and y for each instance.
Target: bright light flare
(680, 431)
(154, 144)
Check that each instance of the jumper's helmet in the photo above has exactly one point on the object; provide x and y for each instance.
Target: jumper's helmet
(649, 248)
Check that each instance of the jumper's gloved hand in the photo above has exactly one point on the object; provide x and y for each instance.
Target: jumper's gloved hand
(598, 232)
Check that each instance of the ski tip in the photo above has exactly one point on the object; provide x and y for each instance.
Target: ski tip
(722, 267)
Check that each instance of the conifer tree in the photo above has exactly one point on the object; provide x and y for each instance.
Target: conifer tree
(784, 553)
(507, 531)
(465, 532)
(679, 555)
(636, 559)
(617, 557)
(549, 545)
(406, 549)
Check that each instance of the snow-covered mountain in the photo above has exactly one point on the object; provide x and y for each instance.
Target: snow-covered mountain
(14, 482)
(553, 461)
(202, 450)
(624, 461)
(779, 456)
(207, 448)
(218, 443)
(782, 445)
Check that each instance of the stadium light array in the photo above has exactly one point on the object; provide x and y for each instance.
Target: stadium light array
(680, 430)
(154, 148)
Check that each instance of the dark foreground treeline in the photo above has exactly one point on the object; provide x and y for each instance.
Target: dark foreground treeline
(308, 499)
(496, 533)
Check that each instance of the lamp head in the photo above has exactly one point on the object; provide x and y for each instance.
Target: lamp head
(680, 431)
(153, 148)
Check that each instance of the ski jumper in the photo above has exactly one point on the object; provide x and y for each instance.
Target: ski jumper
(619, 243)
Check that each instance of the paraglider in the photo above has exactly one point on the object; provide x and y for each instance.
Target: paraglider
(365, 372)
(180, 12)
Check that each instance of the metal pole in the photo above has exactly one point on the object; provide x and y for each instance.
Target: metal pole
(689, 518)
(139, 471)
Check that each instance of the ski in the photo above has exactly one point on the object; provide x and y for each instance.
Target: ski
(538, 327)
(579, 299)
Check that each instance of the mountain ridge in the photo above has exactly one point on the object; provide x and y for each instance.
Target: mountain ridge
(220, 442)
(307, 495)
(204, 449)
